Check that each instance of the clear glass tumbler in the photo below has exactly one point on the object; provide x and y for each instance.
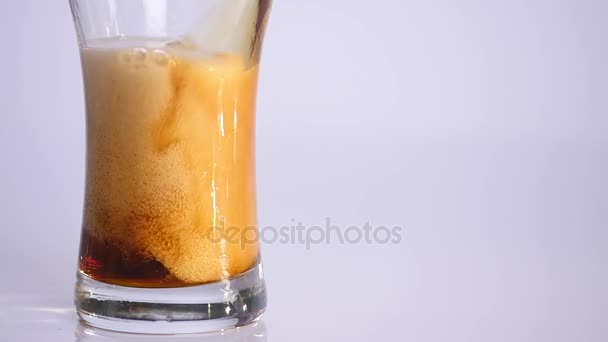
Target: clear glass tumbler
(169, 239)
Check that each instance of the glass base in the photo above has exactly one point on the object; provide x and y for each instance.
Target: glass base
(217, 306)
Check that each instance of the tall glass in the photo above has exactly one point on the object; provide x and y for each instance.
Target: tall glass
(169, 239)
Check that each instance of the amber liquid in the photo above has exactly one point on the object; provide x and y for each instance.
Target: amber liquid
(170, 158)
(108, 263)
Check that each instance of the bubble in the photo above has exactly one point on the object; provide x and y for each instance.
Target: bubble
(180, 44)
(174, 44)
(135, 56)
(139, 54)
(160, 57)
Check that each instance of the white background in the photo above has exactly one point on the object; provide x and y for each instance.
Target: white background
(480, 127)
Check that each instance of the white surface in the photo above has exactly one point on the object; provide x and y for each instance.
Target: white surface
(478, 126)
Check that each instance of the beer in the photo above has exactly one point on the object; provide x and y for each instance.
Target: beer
(170, 163)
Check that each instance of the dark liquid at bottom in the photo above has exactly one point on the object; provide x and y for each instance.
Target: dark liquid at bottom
(107, 263)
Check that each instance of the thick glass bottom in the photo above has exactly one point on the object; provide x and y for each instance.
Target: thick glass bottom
(211, 307)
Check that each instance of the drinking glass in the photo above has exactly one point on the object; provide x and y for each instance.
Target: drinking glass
(169, 236)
